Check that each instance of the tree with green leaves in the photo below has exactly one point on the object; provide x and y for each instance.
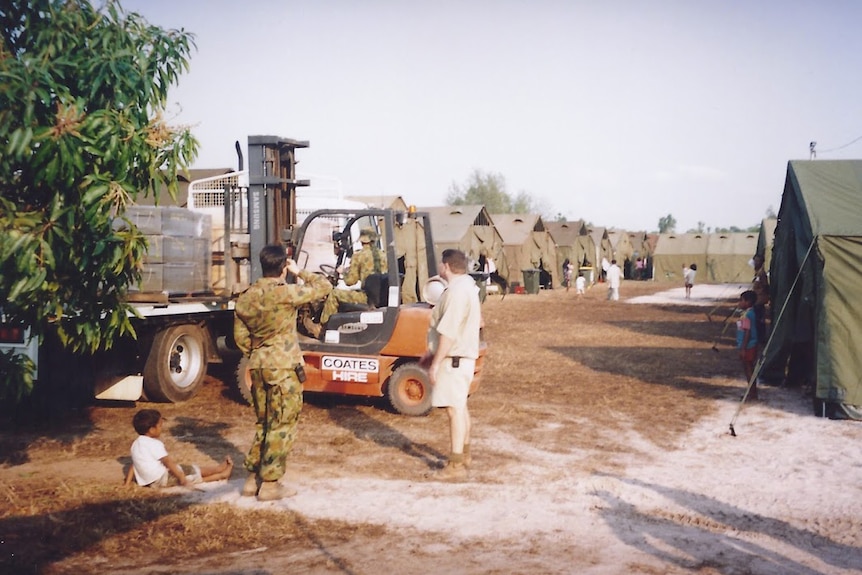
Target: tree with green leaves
(83, 93)
(489, 190)
(667, 224)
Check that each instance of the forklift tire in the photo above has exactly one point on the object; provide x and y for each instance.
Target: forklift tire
(176, 364)
(242, 382)
(409, 390)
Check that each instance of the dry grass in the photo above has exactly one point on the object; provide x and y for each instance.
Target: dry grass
(599, 371)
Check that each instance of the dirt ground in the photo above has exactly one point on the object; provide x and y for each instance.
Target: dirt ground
(600, 446)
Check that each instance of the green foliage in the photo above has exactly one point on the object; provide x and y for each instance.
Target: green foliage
(82, 96)
(667, 224)
(736, 229)
(489, 190)
(17, 377)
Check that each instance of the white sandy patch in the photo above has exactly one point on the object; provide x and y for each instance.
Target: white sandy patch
(755, 502)
(701, 295)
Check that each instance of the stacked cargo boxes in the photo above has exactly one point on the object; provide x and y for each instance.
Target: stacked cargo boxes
(179, 258)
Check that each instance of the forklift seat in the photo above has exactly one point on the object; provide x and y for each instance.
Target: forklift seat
(376, 288)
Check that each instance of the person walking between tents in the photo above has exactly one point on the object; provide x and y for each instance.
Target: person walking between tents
(688, 275)
(614, 275)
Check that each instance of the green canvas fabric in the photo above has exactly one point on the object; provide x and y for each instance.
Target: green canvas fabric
(815, 337)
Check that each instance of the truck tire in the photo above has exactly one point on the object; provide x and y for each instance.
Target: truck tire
(243, 380)
(176, 364)
(409, 390)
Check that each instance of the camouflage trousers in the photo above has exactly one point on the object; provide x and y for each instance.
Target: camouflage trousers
(277, 398)
(330, 305)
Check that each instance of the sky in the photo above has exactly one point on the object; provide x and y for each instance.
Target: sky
(617, 112)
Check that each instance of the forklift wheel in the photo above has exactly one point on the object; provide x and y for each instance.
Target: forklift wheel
(409, 390)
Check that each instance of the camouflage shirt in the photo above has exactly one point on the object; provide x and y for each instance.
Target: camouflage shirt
(265, 318)
(369, 260)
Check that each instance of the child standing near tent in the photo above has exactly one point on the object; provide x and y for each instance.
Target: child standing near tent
(580, 285)
(688, 278)
(746, 337)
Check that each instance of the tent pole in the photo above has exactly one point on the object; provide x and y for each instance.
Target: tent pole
(759, 364)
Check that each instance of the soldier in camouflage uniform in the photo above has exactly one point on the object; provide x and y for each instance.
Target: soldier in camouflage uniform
(369, 260)
(265, 330)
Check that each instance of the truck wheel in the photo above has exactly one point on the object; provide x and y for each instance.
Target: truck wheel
(243, 380)
(176, 365)
(409, 390)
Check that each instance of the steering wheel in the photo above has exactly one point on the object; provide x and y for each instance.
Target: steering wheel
(330, 272)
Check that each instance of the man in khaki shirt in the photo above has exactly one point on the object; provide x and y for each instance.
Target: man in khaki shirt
(453, 347)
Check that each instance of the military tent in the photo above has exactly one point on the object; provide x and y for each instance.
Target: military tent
(471, 230)
(673, 252)
(623, 251)
(604, 250)
(528, 246)
(815, 277)
(642, 249)
(572, 244)
(728, 257)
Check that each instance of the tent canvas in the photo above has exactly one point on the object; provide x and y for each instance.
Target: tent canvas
(604, 250)
(571, 243)
(528, 245)
(728, 257)
(623, 251)
(815, 277)
(673, 252)
(468, 228)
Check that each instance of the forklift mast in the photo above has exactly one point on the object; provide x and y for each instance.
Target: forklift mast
(272, 184)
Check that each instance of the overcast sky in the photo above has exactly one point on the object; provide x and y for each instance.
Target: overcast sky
(618, 112)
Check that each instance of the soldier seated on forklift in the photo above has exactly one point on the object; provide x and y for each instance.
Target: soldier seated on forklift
(370, 260)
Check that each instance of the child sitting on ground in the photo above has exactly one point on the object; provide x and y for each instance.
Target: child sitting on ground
(153, 467)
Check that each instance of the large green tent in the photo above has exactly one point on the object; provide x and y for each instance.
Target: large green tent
(815, 280)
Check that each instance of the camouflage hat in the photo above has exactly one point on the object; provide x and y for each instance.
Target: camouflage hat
(367, 235)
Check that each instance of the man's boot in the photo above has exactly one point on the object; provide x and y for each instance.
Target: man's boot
(468, 459)
(251, 486)
(455, 470)
(273, 491)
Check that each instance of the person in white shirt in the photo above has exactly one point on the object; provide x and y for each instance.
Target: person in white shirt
(688, 278)
(614, 275)
(581, 285)
(151, 464)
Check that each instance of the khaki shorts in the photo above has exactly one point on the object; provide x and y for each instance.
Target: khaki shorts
(192, 473)
(453, 383)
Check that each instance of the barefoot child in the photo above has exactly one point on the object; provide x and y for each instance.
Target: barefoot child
(153, 467)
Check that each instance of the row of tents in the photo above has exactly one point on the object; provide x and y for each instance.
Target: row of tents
(813, 251)
(523, 243)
